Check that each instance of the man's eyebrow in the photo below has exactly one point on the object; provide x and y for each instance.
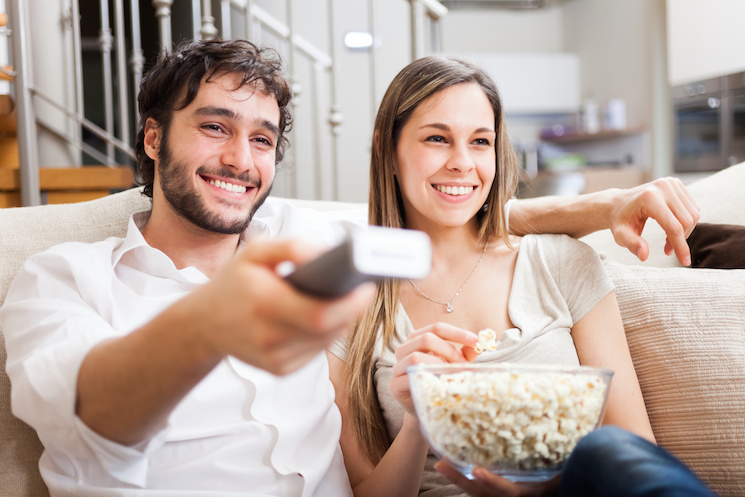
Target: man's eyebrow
(230, 114)
(218, 112)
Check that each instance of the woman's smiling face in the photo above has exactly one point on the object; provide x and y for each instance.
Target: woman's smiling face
(446, 159)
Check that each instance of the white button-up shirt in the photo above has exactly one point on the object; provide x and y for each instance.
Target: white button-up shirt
(240, 431)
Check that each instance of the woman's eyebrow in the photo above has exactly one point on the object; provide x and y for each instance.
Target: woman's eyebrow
(445, 127)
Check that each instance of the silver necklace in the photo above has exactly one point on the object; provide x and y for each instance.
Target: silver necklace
(449, 304)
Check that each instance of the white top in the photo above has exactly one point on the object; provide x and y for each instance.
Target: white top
(557, 281)
(241, 431)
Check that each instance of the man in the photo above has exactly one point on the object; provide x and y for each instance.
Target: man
(175, 360)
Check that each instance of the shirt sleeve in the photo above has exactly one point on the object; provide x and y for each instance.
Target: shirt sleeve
(581, 276)
(50, 324)
(339, 348)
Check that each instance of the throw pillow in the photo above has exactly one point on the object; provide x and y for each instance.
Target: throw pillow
(719, 246)
(686, 333)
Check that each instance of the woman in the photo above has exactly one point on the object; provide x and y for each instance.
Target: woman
(442, 163)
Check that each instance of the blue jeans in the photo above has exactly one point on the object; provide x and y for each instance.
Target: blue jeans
(611, 462)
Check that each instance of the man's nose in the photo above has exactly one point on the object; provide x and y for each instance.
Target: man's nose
(238, 155)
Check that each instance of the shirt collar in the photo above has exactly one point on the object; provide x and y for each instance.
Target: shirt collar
(135, 241)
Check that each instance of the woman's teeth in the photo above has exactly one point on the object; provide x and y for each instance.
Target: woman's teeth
(454, 190)
(228, 186)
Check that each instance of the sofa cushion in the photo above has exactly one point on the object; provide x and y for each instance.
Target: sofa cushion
(24, 232)
(686, 333)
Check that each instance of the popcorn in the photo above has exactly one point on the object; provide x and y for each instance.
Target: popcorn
(487, 341)
(508, 421)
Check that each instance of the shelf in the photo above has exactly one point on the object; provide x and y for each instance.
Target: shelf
(600, 135)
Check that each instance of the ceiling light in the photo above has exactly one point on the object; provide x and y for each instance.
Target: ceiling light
(358, 40)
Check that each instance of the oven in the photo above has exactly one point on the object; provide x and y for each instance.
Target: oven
(734, 107)
(709, 123)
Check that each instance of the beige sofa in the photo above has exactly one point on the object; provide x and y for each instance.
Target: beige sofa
(686, 330)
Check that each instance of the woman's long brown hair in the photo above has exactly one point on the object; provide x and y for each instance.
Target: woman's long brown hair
(416, 83)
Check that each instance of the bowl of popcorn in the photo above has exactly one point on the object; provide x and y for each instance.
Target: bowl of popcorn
(518, 421)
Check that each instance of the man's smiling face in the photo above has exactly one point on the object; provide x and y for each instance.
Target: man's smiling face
(215, 163)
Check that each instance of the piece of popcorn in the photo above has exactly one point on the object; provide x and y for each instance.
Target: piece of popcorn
(487, 341)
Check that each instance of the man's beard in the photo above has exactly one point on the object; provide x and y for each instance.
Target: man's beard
(175, 184)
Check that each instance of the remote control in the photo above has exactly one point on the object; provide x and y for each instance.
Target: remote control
(365, 255)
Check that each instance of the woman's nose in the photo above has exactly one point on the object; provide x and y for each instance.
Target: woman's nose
(460, 159)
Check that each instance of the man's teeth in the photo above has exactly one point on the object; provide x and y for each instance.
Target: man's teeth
(228, 186)
(455, 190)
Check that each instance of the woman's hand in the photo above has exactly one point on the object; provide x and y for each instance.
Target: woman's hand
(433, 344)
(487, 484)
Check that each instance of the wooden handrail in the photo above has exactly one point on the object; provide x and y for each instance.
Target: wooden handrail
(7, 73)
(73, 178)
(7, 105)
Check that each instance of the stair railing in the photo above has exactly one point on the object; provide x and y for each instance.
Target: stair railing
(324, 128)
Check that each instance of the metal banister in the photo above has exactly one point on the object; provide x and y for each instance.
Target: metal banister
(28, 153)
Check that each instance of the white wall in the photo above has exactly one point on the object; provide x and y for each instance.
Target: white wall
(52, 73)
(361, 77)
(706, 38)
(613, 40)
(617, 43)
(496, 30)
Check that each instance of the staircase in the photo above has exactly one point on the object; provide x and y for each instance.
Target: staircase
(56, 185)
(54, 108)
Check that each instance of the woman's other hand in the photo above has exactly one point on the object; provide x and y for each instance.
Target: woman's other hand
(487, 484)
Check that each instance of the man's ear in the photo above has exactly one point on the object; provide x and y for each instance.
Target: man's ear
(153, 136)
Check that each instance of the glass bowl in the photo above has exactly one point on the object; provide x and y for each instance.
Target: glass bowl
(518, 421)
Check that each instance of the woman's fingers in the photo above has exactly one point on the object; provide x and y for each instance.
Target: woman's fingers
(440, 339)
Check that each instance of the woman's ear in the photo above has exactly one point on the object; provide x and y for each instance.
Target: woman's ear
(152, 139)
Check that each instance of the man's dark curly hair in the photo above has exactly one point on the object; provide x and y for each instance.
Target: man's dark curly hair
(173, 82)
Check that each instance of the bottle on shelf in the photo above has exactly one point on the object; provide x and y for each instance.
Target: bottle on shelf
(590, 116)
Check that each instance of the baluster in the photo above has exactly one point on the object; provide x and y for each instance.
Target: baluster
(71, 24)
(26, 121)
(296, 90)
(208, 31)
(137, 61)
(336, 118)
(163, 13)
(121, 64)
(105, 43)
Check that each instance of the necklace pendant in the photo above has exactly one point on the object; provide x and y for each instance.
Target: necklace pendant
(449, 308)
